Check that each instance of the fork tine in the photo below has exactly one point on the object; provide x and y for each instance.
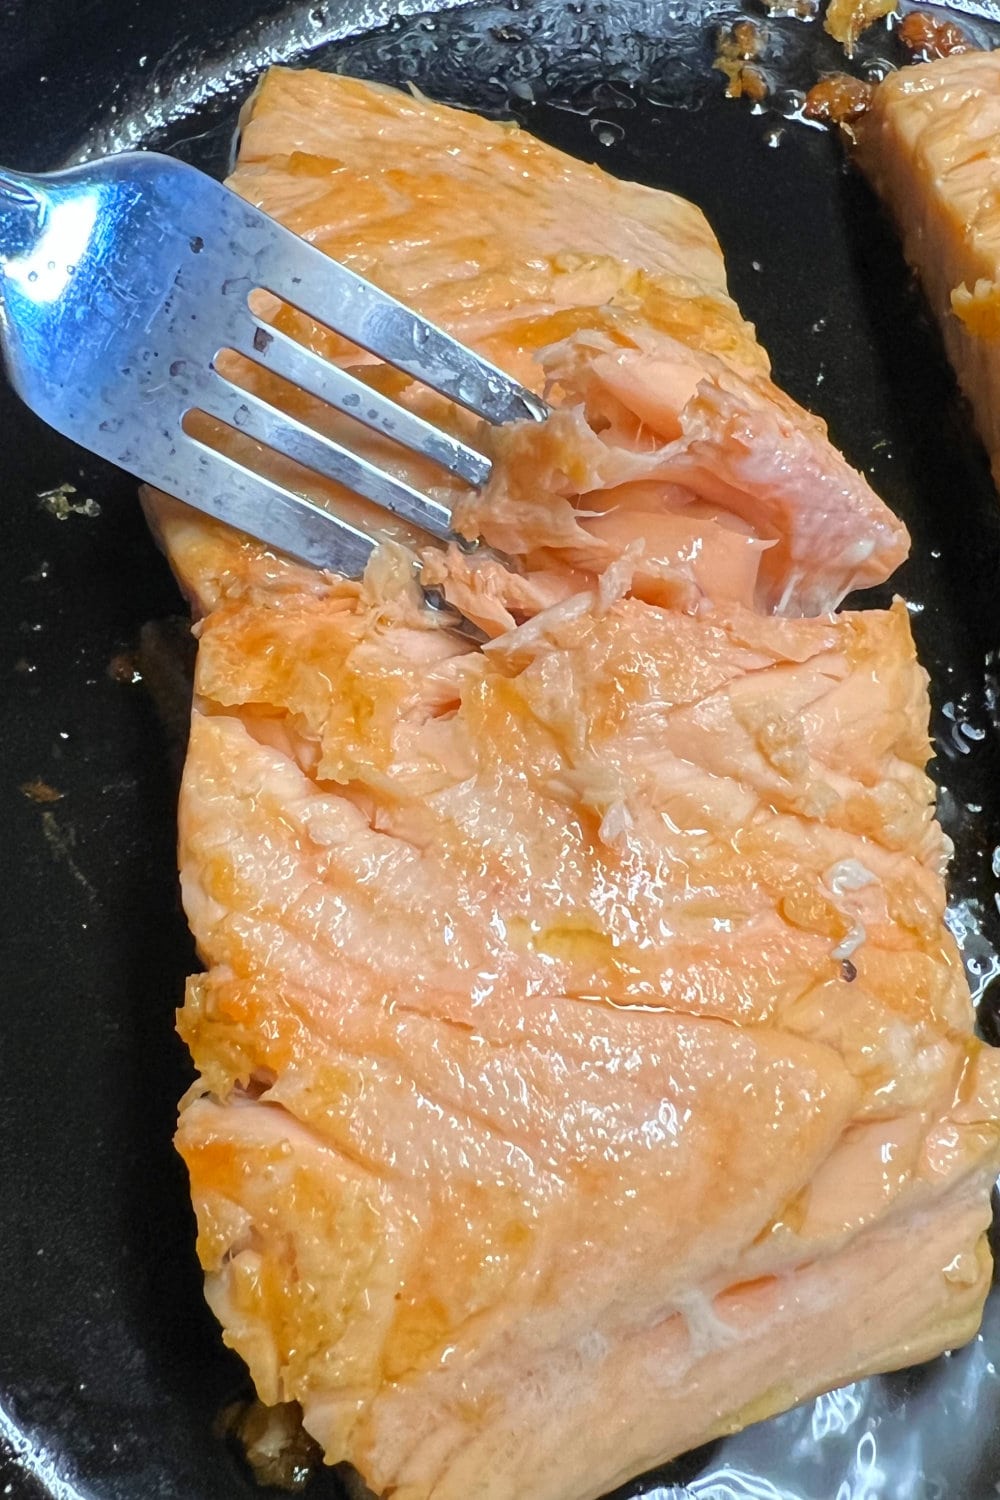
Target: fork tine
(222, 487)
(249, 414)
(274, 350)
(231, 493)
(302, 275)
(118, 353)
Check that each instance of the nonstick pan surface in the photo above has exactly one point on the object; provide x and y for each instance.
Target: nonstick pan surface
(112, 1371)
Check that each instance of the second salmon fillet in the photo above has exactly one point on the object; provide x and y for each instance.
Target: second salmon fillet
(585, 1066)
(931, 147)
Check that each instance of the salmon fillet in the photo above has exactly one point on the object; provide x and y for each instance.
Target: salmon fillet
(585, 1068)
(931, 147)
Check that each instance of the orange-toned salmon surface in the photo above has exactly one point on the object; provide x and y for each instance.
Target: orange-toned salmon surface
(931, 146)
(585, 1066)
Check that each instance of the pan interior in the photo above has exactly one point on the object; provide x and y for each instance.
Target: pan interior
(111, 1370)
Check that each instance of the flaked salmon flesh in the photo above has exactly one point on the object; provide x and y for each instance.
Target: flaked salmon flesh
(585, 1068)
(930, 145)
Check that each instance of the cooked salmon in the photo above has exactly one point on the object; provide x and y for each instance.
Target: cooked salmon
(585, 1068)
(930, 145)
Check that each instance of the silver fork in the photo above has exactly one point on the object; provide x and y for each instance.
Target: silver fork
(124, 280)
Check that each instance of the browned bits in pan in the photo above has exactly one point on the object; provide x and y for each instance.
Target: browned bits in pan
(752, 85)
(845, 20)
(276, 1446)
(736, 48)
(748, 38)
(926, 39)
(838, 99)
(40, 791)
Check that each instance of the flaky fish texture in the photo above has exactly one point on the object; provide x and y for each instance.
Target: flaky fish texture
(585, 1066)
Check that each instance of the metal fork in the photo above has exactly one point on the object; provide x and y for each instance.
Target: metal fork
(124, 280)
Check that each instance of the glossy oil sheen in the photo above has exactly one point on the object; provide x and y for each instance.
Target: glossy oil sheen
(111, 1368)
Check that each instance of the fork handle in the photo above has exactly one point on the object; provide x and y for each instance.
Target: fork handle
(21, 209)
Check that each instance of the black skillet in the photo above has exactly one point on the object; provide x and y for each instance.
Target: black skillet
(111, 1369)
